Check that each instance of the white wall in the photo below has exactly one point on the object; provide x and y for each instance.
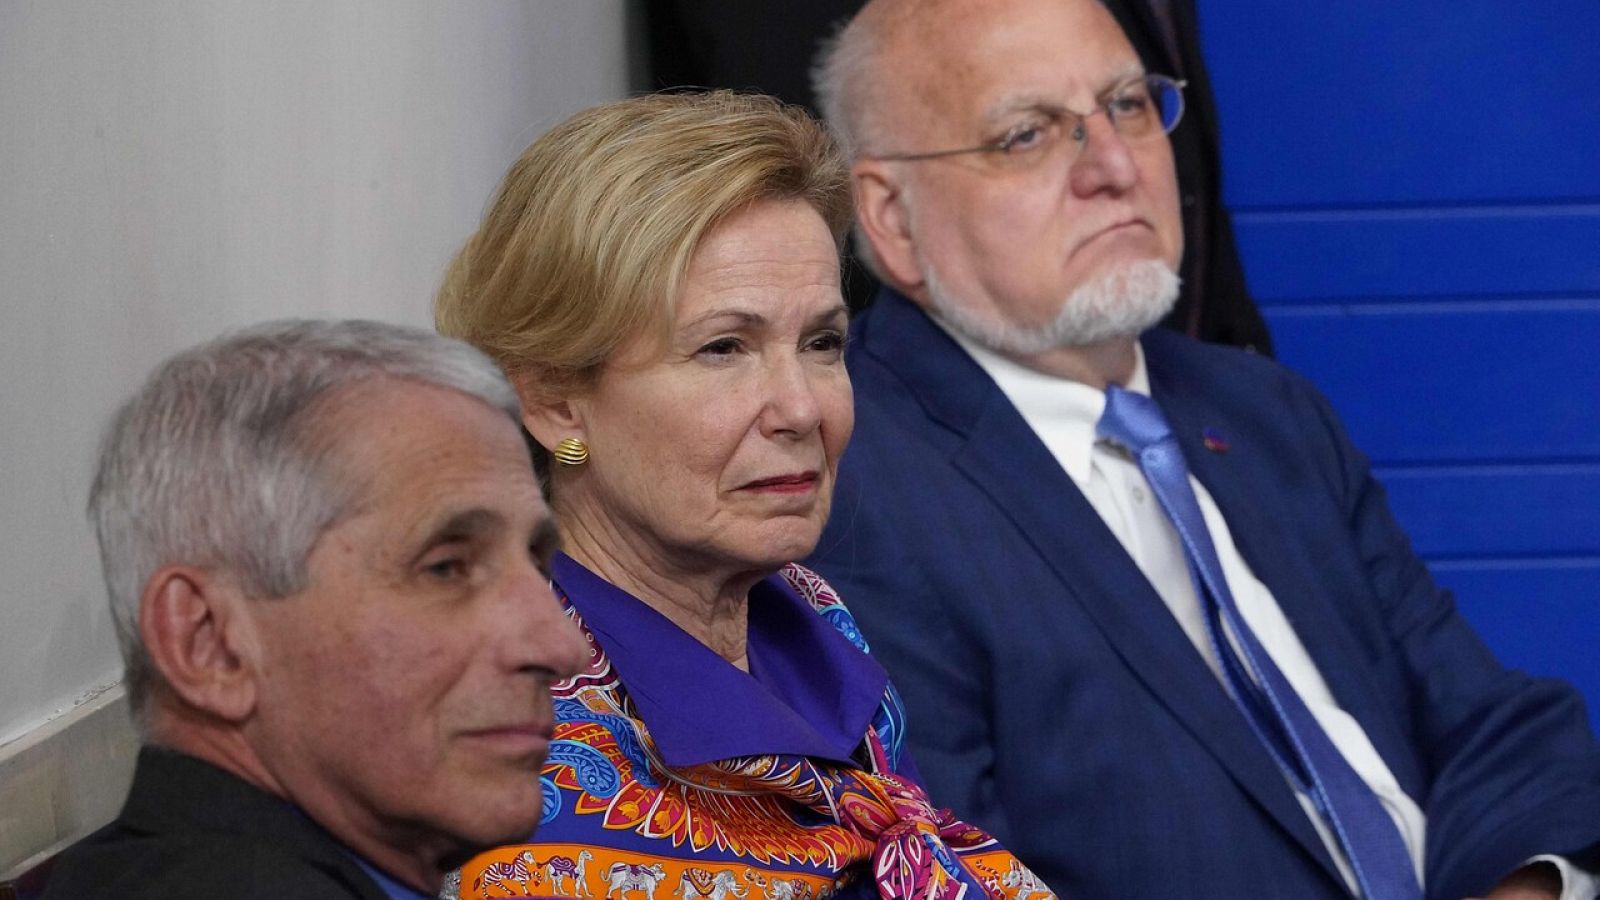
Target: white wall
(171, 169)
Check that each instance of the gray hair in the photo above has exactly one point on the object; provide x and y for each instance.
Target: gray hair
(842, 77)
(224, 458)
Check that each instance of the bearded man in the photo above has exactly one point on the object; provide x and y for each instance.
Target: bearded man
(1153, 621)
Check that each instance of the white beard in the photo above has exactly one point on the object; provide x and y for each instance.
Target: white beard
(1120, 303)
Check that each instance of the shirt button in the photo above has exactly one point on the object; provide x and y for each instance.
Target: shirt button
(1138, 495)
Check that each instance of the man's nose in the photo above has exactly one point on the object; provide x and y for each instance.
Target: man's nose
(541, 638)
(1104, 162)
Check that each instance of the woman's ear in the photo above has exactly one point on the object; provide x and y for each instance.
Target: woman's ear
(549, 417)
(201, 640)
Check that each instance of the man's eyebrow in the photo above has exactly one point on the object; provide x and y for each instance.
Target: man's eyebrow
(464, 525)
(1002, 112)
(1034, 102)
(1131, 72)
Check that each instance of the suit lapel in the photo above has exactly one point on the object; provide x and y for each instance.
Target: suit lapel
(1003, 457)
(1256, 523)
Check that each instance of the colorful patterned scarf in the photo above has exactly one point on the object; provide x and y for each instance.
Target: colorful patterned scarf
(792, 826)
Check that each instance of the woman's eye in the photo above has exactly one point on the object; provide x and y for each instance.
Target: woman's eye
(721, 347)
(827, 342)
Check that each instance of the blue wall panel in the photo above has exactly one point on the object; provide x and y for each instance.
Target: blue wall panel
(1416, 193)
(1464, 382)
(1493, 512)
(1537, 616)
(1451, 252)
(1410, 103)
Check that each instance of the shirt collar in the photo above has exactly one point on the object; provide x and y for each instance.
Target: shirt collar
(809, 691)
(1062, 412)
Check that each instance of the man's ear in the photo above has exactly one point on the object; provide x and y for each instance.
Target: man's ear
(885, 222)
(547, 417)
(201, 640)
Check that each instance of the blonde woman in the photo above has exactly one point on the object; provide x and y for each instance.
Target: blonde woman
(660, 279)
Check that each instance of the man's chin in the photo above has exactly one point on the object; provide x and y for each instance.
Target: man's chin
(497, 831)
(1117, 305)
(507, 814)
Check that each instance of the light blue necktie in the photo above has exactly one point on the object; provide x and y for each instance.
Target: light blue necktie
(1274, 710)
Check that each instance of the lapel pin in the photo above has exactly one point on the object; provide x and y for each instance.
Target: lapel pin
(1214, 441)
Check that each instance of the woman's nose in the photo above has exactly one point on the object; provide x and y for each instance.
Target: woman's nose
(791, 403)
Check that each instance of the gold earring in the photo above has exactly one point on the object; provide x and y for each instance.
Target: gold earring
(571, 452)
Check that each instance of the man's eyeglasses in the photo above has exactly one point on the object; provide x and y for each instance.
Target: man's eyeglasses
(1139, 110)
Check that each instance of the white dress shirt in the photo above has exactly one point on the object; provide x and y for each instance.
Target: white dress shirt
(1064, 414)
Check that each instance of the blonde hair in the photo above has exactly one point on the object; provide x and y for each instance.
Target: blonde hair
(589, 237)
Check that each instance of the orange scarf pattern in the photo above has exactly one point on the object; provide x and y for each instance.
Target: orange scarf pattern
(789, 826)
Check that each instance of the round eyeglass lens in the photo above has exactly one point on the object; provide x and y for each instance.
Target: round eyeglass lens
(1168, 97)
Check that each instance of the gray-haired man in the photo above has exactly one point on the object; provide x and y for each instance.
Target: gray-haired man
(323, 545)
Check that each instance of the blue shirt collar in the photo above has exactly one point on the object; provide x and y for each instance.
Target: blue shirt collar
(809, 692)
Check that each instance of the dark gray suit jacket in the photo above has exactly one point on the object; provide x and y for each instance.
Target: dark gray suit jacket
(191, 830)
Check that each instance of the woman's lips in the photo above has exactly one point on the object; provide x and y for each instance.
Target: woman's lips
(793, 483)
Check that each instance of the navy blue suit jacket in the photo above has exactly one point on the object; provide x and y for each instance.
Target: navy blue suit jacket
(1054, 700)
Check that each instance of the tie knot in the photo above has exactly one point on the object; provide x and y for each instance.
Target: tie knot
(1132, 420)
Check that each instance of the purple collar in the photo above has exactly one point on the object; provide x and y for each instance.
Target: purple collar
(809, 691)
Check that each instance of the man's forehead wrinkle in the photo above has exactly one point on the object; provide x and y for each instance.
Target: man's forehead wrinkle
(895, 21)
(1004, 106)
(357, 409)
(1008, 105)
(469, 523)
(946, 55)
(952, 48)
(914, 58)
